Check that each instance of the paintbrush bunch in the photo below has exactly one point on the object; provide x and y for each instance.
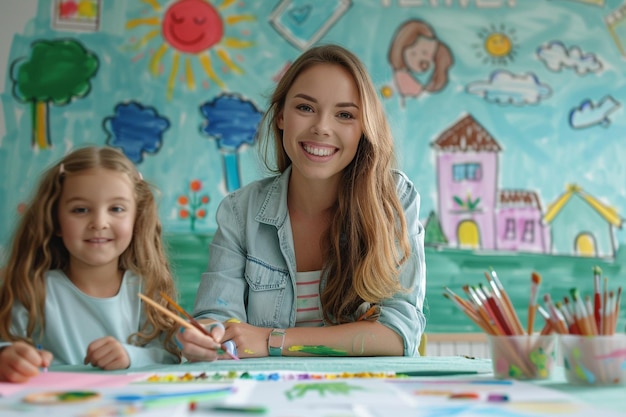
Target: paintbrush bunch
(490, 308)
(588, 315)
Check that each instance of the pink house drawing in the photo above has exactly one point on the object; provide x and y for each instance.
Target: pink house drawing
(474, 213)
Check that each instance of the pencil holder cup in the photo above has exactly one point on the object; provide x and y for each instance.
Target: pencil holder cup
(594, 360)
(523, 356)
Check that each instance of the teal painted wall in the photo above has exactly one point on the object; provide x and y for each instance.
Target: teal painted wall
(545, 78)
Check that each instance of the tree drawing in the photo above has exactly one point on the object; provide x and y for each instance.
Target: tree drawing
(433, 233)
(136, 130)
(193, 206)
(233, 122)
(56, 72)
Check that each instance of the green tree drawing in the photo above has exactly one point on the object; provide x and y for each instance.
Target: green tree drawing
(433, 233)
(56, 72)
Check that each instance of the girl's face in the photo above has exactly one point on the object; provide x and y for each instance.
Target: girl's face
(96, 216)
(321, 122)
(420, 56)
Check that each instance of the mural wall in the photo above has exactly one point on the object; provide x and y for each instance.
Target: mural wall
(507, 114)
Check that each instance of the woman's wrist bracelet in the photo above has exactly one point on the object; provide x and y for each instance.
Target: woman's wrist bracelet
(274, 347)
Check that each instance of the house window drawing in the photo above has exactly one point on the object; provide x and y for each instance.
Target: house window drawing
(509, 229)
(529, 231)
(470, 172)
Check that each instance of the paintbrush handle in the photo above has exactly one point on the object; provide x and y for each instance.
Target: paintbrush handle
(165, 311)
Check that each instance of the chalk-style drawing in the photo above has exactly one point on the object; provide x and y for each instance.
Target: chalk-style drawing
(486, 217)
(419, 59)
(504, 87)
(76, 15)
(581, 225)
(304, 22)
(433, 233)
(136, 130)
(590, 114)
(616, 25)
(556, 56)
(190, 28)
(498, 45)
(192, 206)
(57, 71)
(232, 121)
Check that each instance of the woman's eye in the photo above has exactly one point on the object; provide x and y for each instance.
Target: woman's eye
(304, 107)
(345, 115)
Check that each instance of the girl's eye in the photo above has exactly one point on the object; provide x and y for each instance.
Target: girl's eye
(79, 210)
(117, 209)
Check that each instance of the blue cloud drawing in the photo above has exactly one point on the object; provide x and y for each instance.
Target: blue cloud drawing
(556, 56)
(504, 87)
(589, 114)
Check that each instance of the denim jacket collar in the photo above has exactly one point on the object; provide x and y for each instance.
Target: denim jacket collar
(274, 208)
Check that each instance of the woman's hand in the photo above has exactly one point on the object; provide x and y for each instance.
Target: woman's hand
(251, 341)
(198, 347)
(21, 361)
(107, 353)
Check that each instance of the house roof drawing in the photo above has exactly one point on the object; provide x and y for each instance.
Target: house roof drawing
(608, 213)
(518, 199)
(466, 135)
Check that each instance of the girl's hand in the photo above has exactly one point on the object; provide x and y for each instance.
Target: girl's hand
(198, 347)
(251, 341)
(107, 353)
(21, 361)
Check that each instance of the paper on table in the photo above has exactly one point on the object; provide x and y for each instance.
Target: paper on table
(70, 380)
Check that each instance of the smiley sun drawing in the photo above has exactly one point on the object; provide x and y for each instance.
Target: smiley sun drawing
(193, 31)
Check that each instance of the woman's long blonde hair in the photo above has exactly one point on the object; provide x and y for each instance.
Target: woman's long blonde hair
(36, 248)
(367, 239)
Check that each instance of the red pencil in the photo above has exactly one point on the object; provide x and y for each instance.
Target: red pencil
(597, 300)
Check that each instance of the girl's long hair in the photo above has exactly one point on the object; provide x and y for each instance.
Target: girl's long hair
(367, 239)
(36, 248)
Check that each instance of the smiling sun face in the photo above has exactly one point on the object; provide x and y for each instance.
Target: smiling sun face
(192, 26)
(190, 29)
(497, 46)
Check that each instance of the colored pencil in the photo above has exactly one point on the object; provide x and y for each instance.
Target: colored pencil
(535, 281)
(468, 311)
(556, 318)
(517, 325)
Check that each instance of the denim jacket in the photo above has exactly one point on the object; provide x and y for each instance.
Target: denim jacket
(252, 264)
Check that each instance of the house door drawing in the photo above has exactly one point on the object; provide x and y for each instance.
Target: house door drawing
(585, 245)
(468, 235)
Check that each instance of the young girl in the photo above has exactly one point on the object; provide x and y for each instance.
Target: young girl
(327, 257)
(89, 241)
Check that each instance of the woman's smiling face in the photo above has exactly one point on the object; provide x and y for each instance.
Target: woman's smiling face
(321, 122)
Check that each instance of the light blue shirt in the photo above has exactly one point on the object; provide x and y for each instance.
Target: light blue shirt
(75, 319)
(252, 263)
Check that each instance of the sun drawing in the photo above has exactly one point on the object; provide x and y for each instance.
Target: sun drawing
(194, 31)
(497, 45)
